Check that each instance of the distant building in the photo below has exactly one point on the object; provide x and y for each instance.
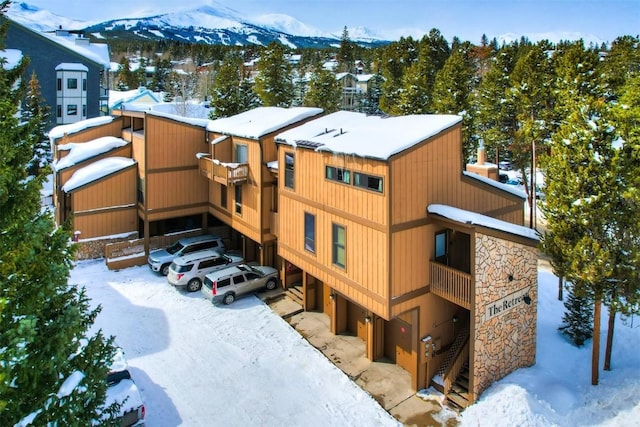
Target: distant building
(71, 70)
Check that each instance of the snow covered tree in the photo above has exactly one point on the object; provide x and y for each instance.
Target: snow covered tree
(592, 210)
(452, 91)
(126, 78)
(620, 62)
(274, 83)
(577, 320)
(35, 109)
(495, 113)
(346, 53)
(324, 91)
(161, 73)
(52, 371)
(397, 57)
(225, 93)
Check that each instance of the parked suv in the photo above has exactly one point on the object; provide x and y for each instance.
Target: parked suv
(160, 260)
(123, 390)
(228, 284)
(189, 270)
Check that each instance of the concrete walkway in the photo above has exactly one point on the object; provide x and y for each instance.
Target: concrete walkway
(386, 382)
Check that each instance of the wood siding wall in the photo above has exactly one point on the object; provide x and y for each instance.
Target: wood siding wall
(107, 206)
(174, 186)
(361, 212)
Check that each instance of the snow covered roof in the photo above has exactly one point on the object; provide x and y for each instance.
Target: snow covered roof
(71, 66)
(140, 95)
(376, 137)
(261, 121)
(474, 218)
(11, 56)
(95, 52)
(80, 151)
(96, 171)
(60, 131)
(492, 182)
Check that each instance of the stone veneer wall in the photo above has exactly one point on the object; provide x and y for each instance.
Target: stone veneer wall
(505, 326)
(94, 248)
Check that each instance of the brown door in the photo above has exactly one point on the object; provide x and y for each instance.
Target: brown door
(397, 346)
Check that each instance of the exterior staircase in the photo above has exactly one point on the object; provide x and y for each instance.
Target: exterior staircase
(452, 379)
(295, 293)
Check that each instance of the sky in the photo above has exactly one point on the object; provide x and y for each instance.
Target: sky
(243, 365)
(593, 20)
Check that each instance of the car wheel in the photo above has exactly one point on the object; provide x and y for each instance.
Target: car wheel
(271, 284)
(229, 299)
(194, 285)
(164, 269)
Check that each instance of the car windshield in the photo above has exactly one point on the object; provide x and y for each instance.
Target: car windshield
(246, 267)
(175, 248)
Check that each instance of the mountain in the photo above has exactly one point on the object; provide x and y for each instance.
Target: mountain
(206, 24)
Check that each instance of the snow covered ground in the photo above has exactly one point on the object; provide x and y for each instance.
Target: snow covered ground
(200, 365)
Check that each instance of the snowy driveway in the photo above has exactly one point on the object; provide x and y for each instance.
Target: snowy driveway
(201, 365)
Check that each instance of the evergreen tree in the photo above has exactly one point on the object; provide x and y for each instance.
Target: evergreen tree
(37, 111)
(531, 93)
(370, 102)
(44, 321)
(578, 317)
(225, 93)
(324, 91)
(397, 57)
(495, 112)
(125, 75)
(589, 208)
(346, 53)
(248, 97)
(452, 92)
(418, 82)
(622, 61)
(161, 74)
(274, 83)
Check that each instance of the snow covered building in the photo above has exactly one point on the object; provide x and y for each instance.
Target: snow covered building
(72, 71)
(429, 265)
(372, 219)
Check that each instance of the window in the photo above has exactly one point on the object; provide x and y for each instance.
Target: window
(84, 110)
(72, 110)
(310, 232)
(252, 276)
(59, 110)
(72, 83)
(338, 255)
(84, 85)
(238, 279)
(241, 153)
(367, 181)
(338, 174)
(59, 84)
(289, 163)
(238, 191)
(223, 196)
(441, 247)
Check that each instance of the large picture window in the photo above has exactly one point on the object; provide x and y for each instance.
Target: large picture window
(339, 241)
(309, 232)
(289, 166)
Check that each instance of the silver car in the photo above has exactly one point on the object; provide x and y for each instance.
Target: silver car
(228, 284)
(160, 260)
(189, 271)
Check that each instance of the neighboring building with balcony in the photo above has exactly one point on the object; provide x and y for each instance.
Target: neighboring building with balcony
(72, 71)
(389, 237)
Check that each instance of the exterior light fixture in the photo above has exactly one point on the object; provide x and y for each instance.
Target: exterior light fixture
(510, 277)
(367, 319)
(527, 299)
(332, 296)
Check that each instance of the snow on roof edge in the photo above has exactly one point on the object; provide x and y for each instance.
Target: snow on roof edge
(474, 218)
(496, 184)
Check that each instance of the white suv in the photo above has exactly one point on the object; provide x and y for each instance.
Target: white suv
(160, 260)
(189, 270)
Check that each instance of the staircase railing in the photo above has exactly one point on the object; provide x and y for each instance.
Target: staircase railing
(454, 369)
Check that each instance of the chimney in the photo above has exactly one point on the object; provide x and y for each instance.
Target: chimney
(482, 157)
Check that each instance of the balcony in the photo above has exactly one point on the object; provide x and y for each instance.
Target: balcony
(451, 284)
(224, 173)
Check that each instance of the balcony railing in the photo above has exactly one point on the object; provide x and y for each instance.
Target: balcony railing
(451, 284)
(225, 173)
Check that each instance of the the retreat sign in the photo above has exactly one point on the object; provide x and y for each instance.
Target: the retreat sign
(503, 305)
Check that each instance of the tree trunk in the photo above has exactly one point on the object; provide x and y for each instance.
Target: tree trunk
(560, 288)
(595, 353)
(607, 352)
